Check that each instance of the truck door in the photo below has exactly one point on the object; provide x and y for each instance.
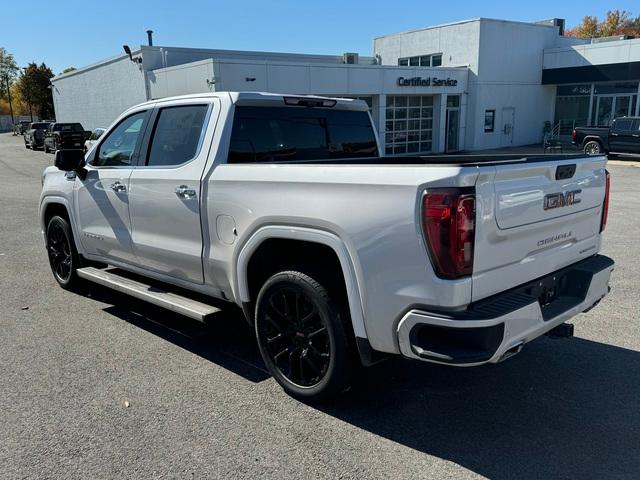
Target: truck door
(621, 137)
(102, 197)
(165, 190)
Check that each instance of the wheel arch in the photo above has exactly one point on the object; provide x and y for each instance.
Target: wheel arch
(54, 205)
(310, 235)
(592, 138)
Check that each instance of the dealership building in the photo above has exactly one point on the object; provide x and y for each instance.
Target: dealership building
(470, 85)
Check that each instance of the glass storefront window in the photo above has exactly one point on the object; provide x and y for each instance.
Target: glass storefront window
(409, 126)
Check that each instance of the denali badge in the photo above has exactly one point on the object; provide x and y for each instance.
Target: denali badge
(561, 199)
(555, 238)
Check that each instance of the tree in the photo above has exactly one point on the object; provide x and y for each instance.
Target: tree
(34, 87)
(8, 72)
(616, 22)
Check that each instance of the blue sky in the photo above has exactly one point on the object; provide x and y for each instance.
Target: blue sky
(77, 33)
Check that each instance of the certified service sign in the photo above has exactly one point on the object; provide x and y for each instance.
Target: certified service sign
(427, 82)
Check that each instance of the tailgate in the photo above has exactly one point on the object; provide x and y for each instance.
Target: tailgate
(534, 218)
(75, 138)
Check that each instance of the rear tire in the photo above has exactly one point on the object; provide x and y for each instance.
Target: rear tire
(63, 255)
(302, 336)
(593, 147)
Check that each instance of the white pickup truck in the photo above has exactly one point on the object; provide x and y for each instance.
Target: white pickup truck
(283, 206)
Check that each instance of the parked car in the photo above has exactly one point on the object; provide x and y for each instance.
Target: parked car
(34, 136)
(65, 135)
(338, 256)
(91, 141)
(622, 137)
(20, 127)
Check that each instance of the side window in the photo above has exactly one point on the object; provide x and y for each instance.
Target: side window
(176, 135)
(118, 147)
(622, 125)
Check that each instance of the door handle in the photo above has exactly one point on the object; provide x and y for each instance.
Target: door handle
(635, 135)
(184, 191)
(613, 134)
(118, 187)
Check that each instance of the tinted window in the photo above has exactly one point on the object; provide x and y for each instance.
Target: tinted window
(272, 134)
(119, 145)
(623, 124)
(39, 126)
(176, 135)
(67, 127)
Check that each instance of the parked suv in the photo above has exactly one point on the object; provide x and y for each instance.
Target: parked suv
(338, 256)
(34, 136)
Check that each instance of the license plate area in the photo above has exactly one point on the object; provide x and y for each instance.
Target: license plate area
(558, 292)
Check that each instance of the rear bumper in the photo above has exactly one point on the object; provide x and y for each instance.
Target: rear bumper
(494, 328)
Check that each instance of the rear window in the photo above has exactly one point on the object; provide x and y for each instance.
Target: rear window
(280, 134)
(40, 126)
(68, 127)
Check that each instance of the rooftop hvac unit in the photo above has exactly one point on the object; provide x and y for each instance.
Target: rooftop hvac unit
(350, 58)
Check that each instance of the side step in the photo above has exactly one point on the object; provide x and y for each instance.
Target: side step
(171, 301)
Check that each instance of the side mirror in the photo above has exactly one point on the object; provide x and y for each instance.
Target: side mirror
(69, 160)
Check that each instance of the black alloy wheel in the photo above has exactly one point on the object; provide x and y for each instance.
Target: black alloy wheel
(63, 256)
(301, 336)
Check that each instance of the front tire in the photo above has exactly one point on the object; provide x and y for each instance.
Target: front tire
(301, 333)
(63, 256)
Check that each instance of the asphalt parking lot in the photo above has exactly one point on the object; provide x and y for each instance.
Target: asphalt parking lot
(103, 386)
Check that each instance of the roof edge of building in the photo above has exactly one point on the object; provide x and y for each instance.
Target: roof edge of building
(460, 22)
(95, 65)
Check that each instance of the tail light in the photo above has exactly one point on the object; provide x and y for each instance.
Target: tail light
(605, 206)
(573, 134)
(448, 222)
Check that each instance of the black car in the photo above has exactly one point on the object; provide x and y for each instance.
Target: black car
(622, 137)
(34, 136)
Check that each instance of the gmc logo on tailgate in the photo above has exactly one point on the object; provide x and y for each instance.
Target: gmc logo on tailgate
(561, 199)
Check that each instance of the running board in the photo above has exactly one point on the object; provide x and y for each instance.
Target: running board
(171, 301)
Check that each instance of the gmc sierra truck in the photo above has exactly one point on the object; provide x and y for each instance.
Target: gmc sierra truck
(64, 135)
(339, 257)
(622, 137)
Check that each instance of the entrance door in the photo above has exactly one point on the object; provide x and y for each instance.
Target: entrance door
(453, 128)
(508, 120)
(165, 191)
(103, 195)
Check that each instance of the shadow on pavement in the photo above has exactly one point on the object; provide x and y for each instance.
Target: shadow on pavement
(563, 408)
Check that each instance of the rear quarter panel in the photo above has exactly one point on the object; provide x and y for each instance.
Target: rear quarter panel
(373, 210)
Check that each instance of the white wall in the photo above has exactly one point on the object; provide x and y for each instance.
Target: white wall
(96, 95)
(181, 79)
(509, 75)
(619, 51)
